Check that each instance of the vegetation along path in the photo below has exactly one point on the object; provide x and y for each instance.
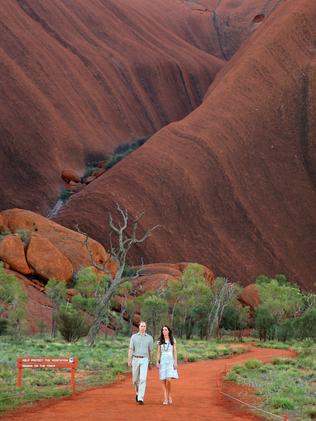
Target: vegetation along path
(195, 396)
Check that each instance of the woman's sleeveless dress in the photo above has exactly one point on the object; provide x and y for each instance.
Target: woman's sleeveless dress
(166, 369)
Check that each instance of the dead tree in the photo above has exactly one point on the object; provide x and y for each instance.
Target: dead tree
(126, 238)
(223, 294)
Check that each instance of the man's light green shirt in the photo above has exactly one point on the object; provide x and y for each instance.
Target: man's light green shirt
(141, 344)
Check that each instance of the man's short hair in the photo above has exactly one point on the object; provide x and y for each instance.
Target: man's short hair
(142, 321)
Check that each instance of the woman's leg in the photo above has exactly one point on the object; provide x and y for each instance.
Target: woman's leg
(168, 387)
(164, 388)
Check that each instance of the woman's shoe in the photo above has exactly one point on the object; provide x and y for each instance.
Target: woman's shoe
(165, 402)
(170, 401)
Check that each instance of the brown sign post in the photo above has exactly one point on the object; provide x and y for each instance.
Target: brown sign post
(71, 362)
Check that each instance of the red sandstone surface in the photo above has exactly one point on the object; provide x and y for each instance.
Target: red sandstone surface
(233, 184)
(195, 395)
(249, 296)
(78, 78)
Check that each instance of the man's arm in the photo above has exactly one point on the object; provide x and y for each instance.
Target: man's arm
(150, 351)
(130, 353)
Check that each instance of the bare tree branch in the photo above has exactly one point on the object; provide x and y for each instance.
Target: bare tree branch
(125, 243)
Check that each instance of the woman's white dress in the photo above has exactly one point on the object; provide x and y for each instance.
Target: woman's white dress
(166, 368)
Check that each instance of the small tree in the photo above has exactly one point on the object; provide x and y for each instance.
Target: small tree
(154, 310)
(283, 299)
(307, 324)
(188, 301)
(13, 300)
(57, 292)
(223, 294)
(264, 322)
(71, 323)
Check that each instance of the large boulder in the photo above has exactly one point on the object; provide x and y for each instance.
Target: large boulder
(81, 250)
(47, 261)
(12, 253)
(250, 296)
(157, 275)
(69, 175)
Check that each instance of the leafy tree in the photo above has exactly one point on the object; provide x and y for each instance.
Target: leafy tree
(235, 317)
(264, 322)
(188, 301)
(71, 323)
(223, 294)
(282, 300)
(13, 299)
(307, 324)
(57, 292)
(154, 310)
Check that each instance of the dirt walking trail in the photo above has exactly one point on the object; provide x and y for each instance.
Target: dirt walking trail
(195, 396)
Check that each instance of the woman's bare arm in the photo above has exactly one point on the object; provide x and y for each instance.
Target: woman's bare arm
(175, 358)
(158, 356)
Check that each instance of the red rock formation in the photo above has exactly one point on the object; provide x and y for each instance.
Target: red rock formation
(233, 21)
(81, 251)
(47, 261)
(69, 175)
(232, 184)
(81, 77)
(12, 253)
(250, 296)
(157, 275)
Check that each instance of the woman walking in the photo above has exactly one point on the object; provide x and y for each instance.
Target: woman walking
(167, 361)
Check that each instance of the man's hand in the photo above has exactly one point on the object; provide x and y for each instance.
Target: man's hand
(175, 365)
(157, 365)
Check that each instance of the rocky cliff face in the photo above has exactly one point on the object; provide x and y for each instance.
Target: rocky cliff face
(78, 78)
(232, 184)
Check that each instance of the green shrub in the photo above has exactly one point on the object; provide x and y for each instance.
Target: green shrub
(13, 299)
(64, 195)
(23, 234)
(71, 324)
(283, 361)
(90, 170)
(231, 376)
(252, 364)
(4, 234)
(311, 412)
(279, 402)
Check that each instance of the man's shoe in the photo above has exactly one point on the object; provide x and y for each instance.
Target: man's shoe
(136, 398)
(140, 402)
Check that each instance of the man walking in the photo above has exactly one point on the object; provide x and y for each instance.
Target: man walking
(140, 358)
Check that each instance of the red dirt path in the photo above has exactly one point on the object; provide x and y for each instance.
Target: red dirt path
(195, 398)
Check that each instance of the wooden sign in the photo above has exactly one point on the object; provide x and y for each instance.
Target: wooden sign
(46, 362)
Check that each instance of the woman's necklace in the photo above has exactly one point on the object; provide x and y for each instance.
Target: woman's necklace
(166, 346)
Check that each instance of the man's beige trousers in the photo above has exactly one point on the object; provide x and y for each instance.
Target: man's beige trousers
(139, 369)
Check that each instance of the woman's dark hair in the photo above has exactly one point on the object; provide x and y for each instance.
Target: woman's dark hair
(162, 338)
